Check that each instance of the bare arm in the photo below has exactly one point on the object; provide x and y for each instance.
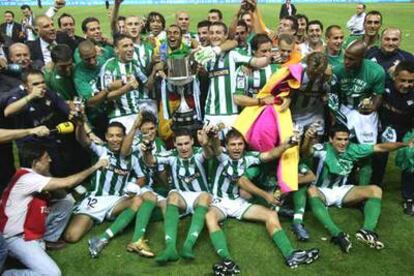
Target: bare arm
(7, 135)
(114, 94)
(249, 187)
(243, 100)
(228, 45)
(306, 178)
(114, 16)
(72, 180)
(387, 147)
(307, 142)
(81, 135)
(260, 62)
(98, 98)
(275, 152)
(17, 106)
(126, 147)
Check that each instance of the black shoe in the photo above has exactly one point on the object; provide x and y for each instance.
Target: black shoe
(226, 268)
(299, 257)
(369, 238)
(409, 207)
(343, 241)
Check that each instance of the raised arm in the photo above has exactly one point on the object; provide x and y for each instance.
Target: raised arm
(126, 147)
(114, 16)
(20, 104)
(387, 147)
(81, 134)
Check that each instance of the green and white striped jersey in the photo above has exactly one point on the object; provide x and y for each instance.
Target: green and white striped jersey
(126, 104)
(333, 168)
(251, 84)
(143, 55)
(222, 73)
(111, 180)
(140, 168)
(229, 171)
(188, 174)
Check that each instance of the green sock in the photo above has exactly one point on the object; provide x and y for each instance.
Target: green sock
(321, 213)
(299, 204)
(372, 211)
(197, 224)
(365, 172)
(119, 224)
(170, 225)
(282, 242)
(142, 218)
(220, 244)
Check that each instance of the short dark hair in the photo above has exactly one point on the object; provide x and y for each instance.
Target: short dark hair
(258, 40)
(204, 23)
(176, 26)
(8, 11)
(338, 128)
(28, 72)
(300, 16)
(30, 152)
(63, 16)
(294, 21)
(148, 117)
(220, 24)
(242, 24)
(88, 20)
(61, 53)
(150, 17)
(23, 7)
(182, 132)
(220, 14)
(363, 5)
(118, 125)
(289, 39)
(314, 22)
(330, 28)
(118, 37)
(233, 133)
(121, 18)
(374, 12)
(405, 65)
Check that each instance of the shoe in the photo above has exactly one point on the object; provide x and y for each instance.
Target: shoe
(285, 212)
(299, 257)
(409, 207)
(343, 241)
(300, 231)
(141, 247)
(96, 245)
(370, 238)
(226, 267)
(57, 245)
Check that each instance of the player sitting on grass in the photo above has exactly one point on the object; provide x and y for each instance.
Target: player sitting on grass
(191, 191)
(142, 186)
(229, 177)
(336, 160)
(107, 200)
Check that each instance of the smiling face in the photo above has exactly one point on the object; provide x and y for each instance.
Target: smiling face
(301, 26)
(203, 36)
(285, 50)
(404, 82)
(235, 147)
(372, 24)
(149, 131)
(334, 41)
(8, 17)
(217, 35)
(93, 31)
(67, 25)
(20, 54)
(340, 141)
(184, 146)
(114, 136)
(46, 29)
(240, 35)
(390, 41)
(314, 33)
(125, 50)
(174, 37)
(286, 27)
(155, 25)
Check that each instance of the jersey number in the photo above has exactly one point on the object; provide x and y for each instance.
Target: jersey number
(92, 202)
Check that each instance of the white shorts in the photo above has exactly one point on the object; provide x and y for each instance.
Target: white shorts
(234, 208)
(98, 207)
(336, 195)
(227, 120)
(189, 199)
(133, 189)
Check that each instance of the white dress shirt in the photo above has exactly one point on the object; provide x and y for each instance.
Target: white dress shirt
(356, 24)
(47, 57)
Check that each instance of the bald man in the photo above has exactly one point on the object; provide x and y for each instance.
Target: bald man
(389, 54)
(183, 21)
(359, 85)
(40, 48)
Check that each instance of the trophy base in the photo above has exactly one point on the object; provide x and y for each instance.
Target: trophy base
(187, 120)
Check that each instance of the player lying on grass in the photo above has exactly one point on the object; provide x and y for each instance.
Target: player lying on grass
(191, 191)
(335, 162)
(146, 124)
(229, 178)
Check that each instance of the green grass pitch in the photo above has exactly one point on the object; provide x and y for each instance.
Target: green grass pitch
(249, 242)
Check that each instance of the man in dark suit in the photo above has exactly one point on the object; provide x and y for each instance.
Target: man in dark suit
(41, 48)
(287, 9)
(10, 28)
(66, 24)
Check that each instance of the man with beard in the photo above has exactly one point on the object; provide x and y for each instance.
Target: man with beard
(124, 79)
(389, 54)
(314, 41)
(372, 25)
(10, 28)
(359, 84)
(334, 37)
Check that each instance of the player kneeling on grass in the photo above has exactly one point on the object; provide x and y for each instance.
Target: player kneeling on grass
(146, 123)
(191, 193)
(107, 200)
(228, 180)
(336, 160)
